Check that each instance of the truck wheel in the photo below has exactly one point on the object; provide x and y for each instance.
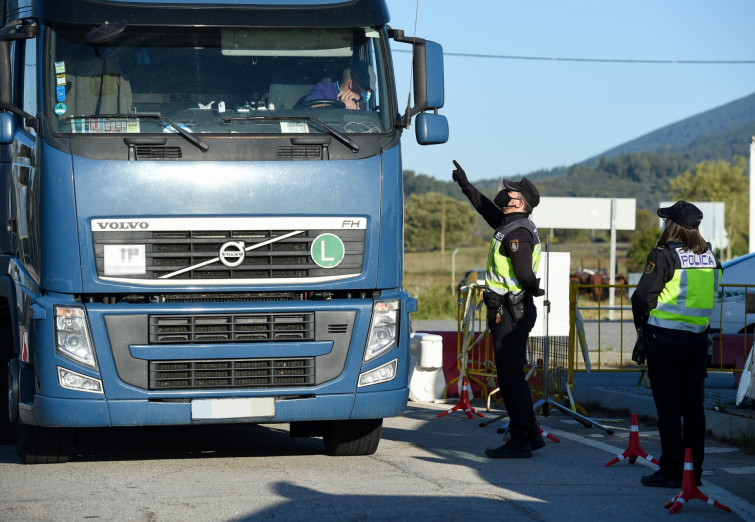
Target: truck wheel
(43, 445)
(353, 437)
(7, 430)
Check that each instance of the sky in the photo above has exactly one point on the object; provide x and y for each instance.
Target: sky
(510, 117)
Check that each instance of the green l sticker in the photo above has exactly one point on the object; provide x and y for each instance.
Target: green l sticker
(327, 250)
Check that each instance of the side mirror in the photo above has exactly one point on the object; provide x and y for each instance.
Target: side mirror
(431, 129)
(427, 67)
(7, 128)
(428, 76)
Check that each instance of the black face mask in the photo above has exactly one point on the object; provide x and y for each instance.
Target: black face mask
(503, 199)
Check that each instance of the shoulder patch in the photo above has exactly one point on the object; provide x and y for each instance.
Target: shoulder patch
(499, 236)
(514, 245)
(649, 267)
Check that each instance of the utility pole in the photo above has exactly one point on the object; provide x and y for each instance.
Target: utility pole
(443, 235)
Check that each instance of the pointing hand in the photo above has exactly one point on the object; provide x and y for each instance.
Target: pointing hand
(459, 175)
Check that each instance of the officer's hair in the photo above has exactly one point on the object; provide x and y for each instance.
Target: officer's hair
(691, 239)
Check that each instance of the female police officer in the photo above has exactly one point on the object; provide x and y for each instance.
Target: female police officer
(671, 306)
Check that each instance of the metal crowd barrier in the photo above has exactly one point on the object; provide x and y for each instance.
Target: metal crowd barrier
(475, 351)
(584, 350)
(610, 352)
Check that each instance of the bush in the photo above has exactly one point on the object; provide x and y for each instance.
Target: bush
(436, 302)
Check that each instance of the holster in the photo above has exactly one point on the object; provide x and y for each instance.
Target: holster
(515, 304)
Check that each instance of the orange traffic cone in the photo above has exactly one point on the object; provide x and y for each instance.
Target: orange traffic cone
(463, 402)
(689, 489)
(634, 449)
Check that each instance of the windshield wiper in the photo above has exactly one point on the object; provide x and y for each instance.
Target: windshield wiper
(190, 137)
(353, 145)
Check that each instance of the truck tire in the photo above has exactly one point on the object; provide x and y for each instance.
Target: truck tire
(350, 438)
(43, 445)
(7, 430)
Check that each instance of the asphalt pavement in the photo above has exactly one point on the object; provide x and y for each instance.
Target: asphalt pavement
(427, 467)
(430, 465)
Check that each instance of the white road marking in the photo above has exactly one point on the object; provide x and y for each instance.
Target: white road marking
(747, 470)
(737, 504)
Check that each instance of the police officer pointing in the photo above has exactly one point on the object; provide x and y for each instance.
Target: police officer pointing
(510, 285)
(671, 306)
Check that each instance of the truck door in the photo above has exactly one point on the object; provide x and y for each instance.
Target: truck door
(18, 173)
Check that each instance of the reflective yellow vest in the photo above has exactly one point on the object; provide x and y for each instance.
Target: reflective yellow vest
(687, 299)
(500, 277)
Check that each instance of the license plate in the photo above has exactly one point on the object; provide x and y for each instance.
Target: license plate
(232, 408)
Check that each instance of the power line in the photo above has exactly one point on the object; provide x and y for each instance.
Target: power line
(598, 60)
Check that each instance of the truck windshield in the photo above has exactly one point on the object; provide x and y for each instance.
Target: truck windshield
(216, 80)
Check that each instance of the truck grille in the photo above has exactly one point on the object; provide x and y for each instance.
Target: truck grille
(257, 373)
(173, 256)
(225, 328)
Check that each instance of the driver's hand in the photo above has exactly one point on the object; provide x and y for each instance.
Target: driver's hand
(349, 98)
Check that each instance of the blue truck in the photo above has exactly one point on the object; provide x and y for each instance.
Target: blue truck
(188, 237)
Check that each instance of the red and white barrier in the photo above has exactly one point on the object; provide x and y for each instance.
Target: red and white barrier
(690, 490)
(634, 449)
(463, 401)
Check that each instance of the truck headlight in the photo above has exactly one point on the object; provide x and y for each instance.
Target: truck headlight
(75, 381)
(383, 328)
(380, 374)
(72, 335)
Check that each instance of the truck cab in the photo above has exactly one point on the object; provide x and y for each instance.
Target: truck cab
(203, 217)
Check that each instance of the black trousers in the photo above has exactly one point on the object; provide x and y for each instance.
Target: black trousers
(510, 343)
(676, 367)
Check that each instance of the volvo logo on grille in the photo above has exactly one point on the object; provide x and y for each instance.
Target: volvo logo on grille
(122, 225)
(232, 253)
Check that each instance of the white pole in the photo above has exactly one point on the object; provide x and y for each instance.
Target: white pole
(453, 271)
(612, 272)
(752, 195)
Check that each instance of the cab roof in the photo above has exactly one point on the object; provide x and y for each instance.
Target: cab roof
(267, 13)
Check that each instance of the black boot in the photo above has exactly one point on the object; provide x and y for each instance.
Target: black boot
(535, 438)
(518, 447)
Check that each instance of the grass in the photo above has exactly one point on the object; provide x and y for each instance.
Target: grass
(745, 439)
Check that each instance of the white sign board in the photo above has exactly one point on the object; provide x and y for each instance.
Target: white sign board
(557, 290)
(712, 227)
(585, 213)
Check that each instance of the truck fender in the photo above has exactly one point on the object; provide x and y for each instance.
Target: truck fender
(8, 293)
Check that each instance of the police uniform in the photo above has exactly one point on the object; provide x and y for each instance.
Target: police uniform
(519, 246)
(513, 259)
(672, 304)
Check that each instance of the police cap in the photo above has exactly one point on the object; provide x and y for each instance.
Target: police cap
(525, 187)
(684, 214)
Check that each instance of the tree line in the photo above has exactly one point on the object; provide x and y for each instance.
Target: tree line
(436, 212)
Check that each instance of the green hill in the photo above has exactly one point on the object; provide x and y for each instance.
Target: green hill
(641, 168)
(719, 133)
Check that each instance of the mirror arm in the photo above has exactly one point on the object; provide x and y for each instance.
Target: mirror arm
(19, 30)
(30, 120)
(418, 65)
